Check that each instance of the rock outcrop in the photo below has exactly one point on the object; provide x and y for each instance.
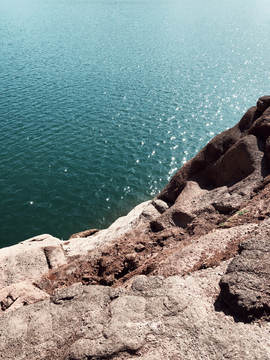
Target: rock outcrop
(156, 318)
(245, 287)
(183, 276)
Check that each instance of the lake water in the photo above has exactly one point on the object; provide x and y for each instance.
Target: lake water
(101, 101)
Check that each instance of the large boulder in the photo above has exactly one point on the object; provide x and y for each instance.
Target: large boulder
(263, 103)
(30, 259)
(18, 295)
(245, 287)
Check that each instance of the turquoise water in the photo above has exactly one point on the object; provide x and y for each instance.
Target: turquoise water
(102, 101)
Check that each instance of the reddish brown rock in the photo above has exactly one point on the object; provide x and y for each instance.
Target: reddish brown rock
(84, 234)
(261, 127)
(237, 163)
(217, 147)
(263, 103)
(267, 148)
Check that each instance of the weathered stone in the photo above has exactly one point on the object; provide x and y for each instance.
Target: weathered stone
(237, 163)
(267, 148)
(162, 317)
(263, 103)
(261, 127)
(137, 217)
(211, 153)
(245, 287)
(84, 234)
(160, 205)
(207, 251)
(30, 259)
(20, 294)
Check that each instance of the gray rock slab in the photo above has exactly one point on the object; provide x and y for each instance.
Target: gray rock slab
(246, 284)
(157, 318)
(30, 259)
(20, 294)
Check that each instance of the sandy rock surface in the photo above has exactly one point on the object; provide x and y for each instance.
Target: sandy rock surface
(156, 317)
(30, 259)
(20, 294)
(246, 284)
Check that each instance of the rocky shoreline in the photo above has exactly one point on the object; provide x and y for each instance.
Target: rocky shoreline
(183, 276)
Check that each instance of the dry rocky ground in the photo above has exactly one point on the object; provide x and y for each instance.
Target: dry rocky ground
(183, 276)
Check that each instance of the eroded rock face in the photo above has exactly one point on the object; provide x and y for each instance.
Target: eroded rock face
(210, 155)
(263, 103)
(138, 217)
(18, 295)
(156, 317)
(30, 259)
(223, 174)
(245, 287)
(84, 234)
(207, 251)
